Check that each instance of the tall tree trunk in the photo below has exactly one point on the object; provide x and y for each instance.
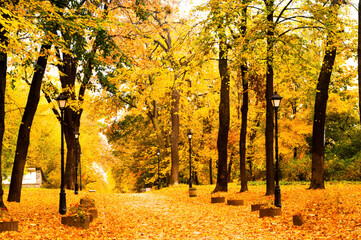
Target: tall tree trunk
(71, 125)
(175, 136)
(3, 69)
(318, 148)
(224, 118)
(68, 71)
(243, 134)
(72, 116)
(244, 111)
(270, 177)
(318, 131)
(174, 108)
(25, 126)
(74, 124)
(359, 57)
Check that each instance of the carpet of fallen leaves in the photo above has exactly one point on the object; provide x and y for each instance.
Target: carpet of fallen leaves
(334, 213)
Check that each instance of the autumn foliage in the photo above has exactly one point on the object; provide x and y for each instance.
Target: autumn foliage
(169, 213)
(143, 76)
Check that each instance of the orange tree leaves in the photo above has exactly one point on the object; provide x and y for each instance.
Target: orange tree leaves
(171, 214)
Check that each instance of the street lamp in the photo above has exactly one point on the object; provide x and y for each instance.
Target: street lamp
(189, 134)
(62, 105)
(80, 187)
(158, 154)
(276, 100)
(76, 134)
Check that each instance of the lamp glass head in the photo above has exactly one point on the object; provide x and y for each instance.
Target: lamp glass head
(62, 100)
(189, 134)
(276, 100)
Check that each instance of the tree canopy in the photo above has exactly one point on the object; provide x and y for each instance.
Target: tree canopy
(140, 74)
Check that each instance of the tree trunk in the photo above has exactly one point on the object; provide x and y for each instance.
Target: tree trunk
(210, 171)
(270, 177)
(3, 69)
(229, 171)
(244, 111)
(318, 131)
(224, 118)
(152, 114)
(68, 71)
(243, 134)
(175, 136)
(174, 109)
(25, 126)
(207, 129)
(318, 148)
(195, 178)
(295, 156)
(71, 125)
(250, 170)
(359, 57)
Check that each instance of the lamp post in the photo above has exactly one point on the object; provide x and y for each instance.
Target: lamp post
(80, 186)
(189, 134)
(76, 135)
(62, 105)
(158, 154)
(276, 100)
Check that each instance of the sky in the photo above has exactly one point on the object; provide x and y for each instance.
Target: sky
(187, 5)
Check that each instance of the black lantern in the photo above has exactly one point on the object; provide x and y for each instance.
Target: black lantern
(62, 105)
(62, 98)
(276, 100)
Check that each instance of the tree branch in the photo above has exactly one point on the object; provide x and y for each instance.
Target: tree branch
(293, 29)
(283, 10)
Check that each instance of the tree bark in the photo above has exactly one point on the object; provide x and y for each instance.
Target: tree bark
(25, 126)
(3, 69)
(68, 71)
(229, 171)
(243, 134)
(74, 123)
(152, 114)
(318, 137)
(224, 119)
(4, 40)
(318, 148)
(207, 129)
(210, 171)
(359, 57)
(174, 108)
(72, 117)
(175, 136)
(270, 177)
(244, 111)
(71, 124)
(252, 147)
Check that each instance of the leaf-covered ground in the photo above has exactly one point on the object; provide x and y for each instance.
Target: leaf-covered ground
(334, 213)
